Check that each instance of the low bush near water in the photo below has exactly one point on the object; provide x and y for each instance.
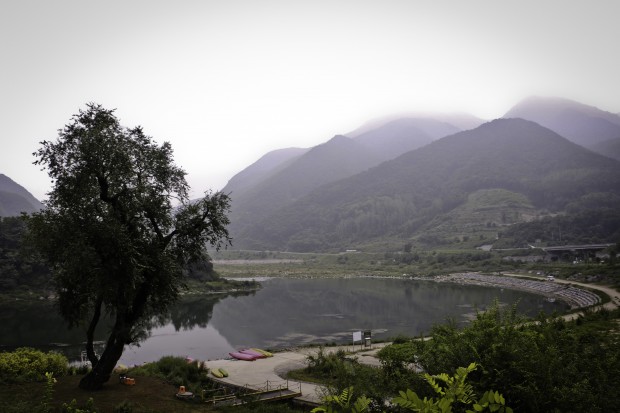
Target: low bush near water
(28, 364)
(175, 370)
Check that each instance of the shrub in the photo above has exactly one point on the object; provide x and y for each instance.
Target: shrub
(28, 364)
(175, 370)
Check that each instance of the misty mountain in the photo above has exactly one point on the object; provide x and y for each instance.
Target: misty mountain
(15, 199)
(462, 121)
(338, 158)
(403, 135)
(282, 177)
(532, 165)
(266, 166)
(579, 123)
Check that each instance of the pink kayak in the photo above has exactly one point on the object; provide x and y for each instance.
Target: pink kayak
(254, 353)
(242, 356)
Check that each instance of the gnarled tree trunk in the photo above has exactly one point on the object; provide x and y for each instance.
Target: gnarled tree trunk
(120, 335)
(102, 371)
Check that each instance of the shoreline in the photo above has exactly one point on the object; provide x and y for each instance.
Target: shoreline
(576, 295)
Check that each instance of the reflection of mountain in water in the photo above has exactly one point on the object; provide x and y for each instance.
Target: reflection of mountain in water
(293, 312)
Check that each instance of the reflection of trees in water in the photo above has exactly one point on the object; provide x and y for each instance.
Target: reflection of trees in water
(38, 325)
(195, 311)
(35, 324)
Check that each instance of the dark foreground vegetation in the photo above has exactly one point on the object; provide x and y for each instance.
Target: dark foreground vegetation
(550, 365)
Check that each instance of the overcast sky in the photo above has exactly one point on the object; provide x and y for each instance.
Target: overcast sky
(227, 81)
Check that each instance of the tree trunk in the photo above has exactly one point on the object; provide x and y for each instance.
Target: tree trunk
(90, 333)
(102, 370)
(120, 335)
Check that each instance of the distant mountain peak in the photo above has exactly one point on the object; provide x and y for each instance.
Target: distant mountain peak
(459, 120)
(583, 124)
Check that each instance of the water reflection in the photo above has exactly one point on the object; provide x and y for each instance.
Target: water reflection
(284, 313)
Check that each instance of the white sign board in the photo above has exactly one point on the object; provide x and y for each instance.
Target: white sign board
(357, 336)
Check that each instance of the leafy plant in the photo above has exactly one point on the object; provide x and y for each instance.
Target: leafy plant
(73, 407)
(49, 391)
(341, 403)
(453, 391)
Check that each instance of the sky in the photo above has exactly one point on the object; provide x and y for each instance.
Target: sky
(228, 81)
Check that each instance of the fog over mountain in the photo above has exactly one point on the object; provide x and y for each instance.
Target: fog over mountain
(461, 120)
(267, 165)
(582, 124)
(403, 135)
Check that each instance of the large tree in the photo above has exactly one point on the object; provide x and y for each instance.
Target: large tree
(118, 229)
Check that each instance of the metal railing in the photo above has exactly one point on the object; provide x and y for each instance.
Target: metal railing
(279, 388)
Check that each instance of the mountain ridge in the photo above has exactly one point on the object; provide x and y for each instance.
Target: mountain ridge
(15, 199)
(398, 197)
(583, 124)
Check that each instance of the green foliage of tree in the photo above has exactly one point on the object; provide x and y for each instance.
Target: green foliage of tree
(343, 403)
(110, 232)
(454, 394)
(549, 365)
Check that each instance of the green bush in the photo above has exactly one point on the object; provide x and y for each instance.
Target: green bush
(28, 364)
(175, 370)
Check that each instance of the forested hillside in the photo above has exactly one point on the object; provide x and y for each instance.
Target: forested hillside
(16, 269)
(399, 198)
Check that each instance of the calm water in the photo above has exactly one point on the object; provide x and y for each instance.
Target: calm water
(284, 313)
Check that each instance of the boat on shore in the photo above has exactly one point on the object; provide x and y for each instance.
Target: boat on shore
(243, 356)
(263, 352)
(253, 352)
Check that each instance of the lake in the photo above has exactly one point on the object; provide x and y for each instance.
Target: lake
(283, 313)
